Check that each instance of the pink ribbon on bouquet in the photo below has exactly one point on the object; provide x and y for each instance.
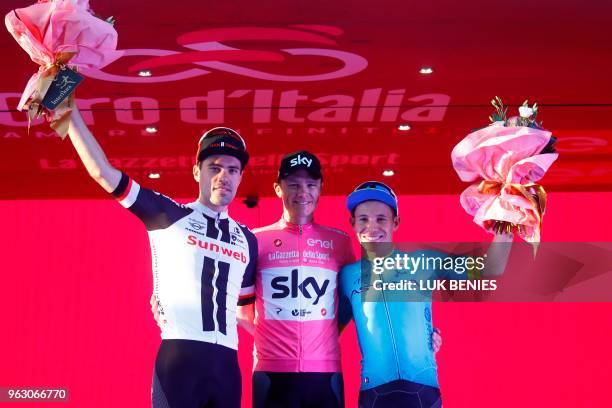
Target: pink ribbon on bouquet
(507, 163)
(56, 33)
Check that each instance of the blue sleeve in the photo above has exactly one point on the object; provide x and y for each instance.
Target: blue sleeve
(345, 310)
(155, 210)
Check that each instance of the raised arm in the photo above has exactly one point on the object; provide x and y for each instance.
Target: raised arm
(91, 153)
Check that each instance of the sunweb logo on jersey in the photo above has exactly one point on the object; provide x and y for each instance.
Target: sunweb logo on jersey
(217, 248)
(207, 52)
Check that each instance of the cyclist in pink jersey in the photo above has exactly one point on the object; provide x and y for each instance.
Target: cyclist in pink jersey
(294, 321)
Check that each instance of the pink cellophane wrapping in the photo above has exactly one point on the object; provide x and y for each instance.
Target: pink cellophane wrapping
(508, 156)
(48, 28)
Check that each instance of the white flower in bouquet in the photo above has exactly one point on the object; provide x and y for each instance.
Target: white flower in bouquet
(525, 112)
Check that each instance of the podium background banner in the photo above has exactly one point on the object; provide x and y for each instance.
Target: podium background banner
(76, 281)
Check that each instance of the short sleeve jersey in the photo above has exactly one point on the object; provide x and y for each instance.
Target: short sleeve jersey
(296, 326)
(394, 336)
(203, 264)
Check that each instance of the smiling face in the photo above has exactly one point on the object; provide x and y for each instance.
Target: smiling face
(374, 221)
(300, 194)
(219, 177)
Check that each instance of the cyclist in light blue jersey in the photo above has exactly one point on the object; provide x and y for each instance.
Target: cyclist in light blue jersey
(396, 336)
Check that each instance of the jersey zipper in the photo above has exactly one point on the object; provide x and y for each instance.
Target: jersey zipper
(300, 360)
(214, 281)
(399, 376)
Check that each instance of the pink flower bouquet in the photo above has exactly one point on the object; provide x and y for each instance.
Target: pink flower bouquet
(507, 159)
(59, 35)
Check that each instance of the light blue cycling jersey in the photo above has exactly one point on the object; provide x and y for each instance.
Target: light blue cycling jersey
(393, 328)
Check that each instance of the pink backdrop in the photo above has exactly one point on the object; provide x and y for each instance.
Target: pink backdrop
(76, 282)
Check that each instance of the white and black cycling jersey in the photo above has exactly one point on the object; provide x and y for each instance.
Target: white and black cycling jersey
(203, 264)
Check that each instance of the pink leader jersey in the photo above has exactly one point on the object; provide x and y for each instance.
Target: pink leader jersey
(296, 328)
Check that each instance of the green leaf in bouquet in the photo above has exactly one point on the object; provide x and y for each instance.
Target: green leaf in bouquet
(500, 110)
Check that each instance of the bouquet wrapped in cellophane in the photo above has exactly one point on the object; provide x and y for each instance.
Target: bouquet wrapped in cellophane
(506, 159)
(61, 36)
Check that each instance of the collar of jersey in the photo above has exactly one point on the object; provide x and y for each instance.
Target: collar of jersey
(289, 226)
(390, 254)
(207, 211)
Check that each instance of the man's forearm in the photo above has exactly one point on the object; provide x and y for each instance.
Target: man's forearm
(247, 325)
(91, 153)
(245, 317)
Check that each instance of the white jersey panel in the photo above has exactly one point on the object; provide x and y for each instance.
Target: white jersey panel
(300, 294)
(202, 261)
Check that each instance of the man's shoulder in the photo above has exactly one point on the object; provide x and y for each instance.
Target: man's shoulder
(249, 233)
(350, 276)
(354, 267)
(332, 231)
(127, 185)
(401, 250)
(265, 229)
(430, 253)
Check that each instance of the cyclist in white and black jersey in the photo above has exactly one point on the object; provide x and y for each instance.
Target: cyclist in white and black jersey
(203, 268)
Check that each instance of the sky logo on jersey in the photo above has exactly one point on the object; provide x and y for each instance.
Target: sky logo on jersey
(290, 286)
(209, 246)
(296, 161)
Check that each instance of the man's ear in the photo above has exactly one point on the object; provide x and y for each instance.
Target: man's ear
(396, 222)
(196, 172)
(277, 190)
(352, 221)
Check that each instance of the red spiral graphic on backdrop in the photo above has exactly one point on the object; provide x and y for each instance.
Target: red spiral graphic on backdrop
(207, 50)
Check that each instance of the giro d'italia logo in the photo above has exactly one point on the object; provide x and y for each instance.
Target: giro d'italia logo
(203, 52)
